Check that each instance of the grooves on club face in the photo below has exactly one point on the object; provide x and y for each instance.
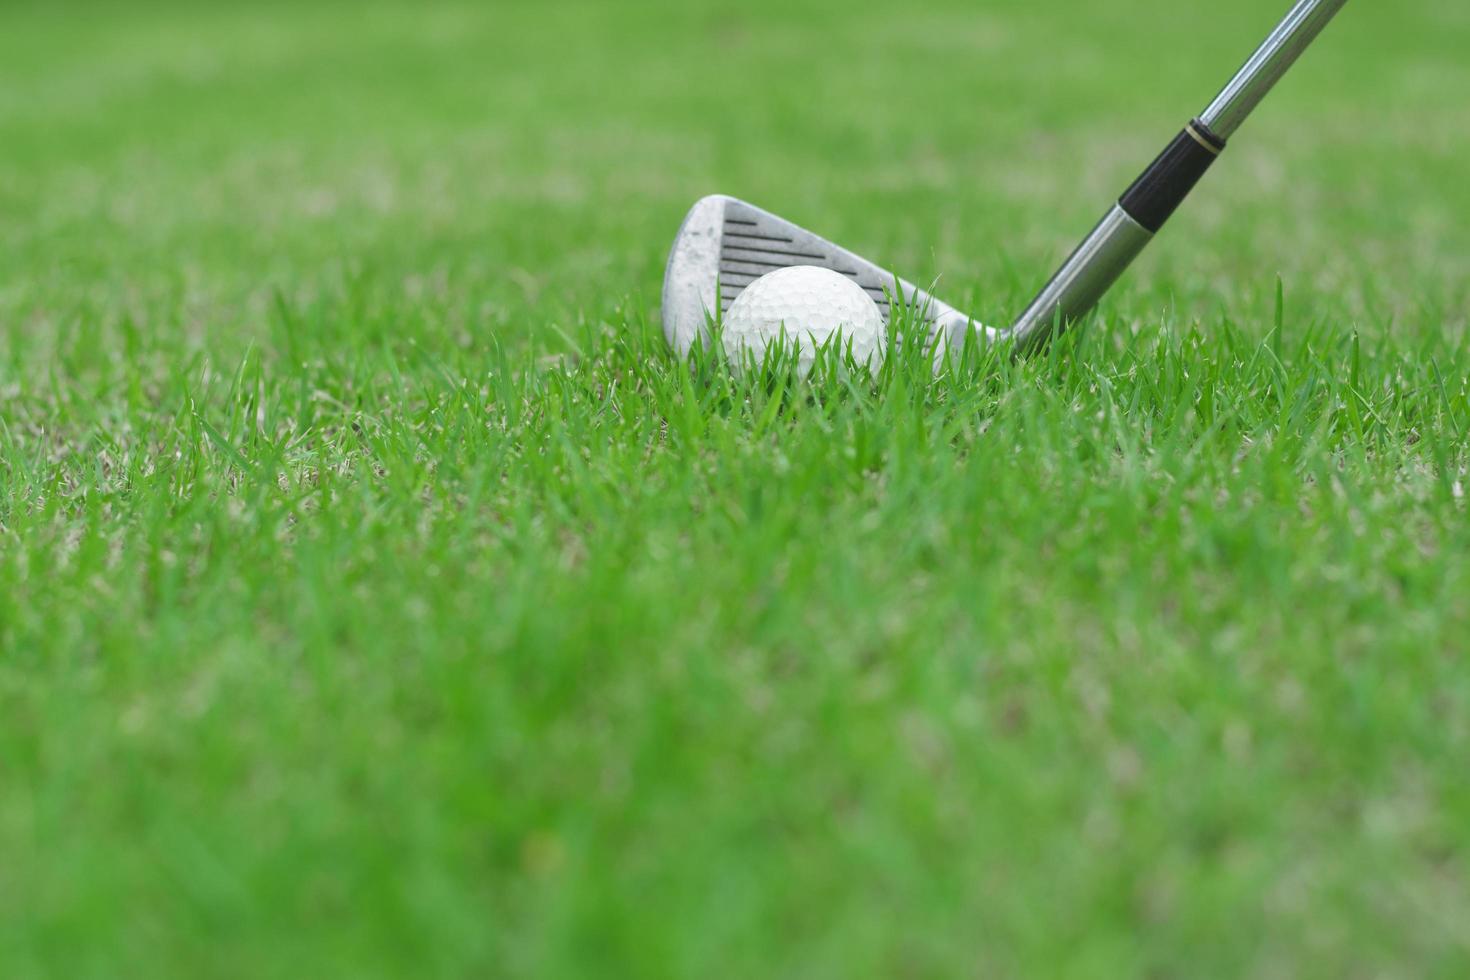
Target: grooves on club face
(725, 244)
(749, 250)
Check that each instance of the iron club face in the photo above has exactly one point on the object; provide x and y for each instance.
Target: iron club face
(725, 244)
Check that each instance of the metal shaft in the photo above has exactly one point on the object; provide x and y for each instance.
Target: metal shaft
(1131, 223)
(1265, 68)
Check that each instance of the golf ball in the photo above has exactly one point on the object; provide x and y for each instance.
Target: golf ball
(808, 305)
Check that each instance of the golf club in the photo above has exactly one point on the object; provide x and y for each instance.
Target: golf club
(725, 244)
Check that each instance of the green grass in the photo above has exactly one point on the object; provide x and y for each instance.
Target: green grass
(378, 596)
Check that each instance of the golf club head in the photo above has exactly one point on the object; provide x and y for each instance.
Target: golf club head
(725, 244)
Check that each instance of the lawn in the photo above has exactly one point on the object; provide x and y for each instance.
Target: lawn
(379, 596)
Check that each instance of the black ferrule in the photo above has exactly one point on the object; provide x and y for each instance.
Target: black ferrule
(1169, 179)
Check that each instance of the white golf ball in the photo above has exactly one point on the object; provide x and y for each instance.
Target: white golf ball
(808, 305)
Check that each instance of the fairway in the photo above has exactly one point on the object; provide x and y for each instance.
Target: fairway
(380, 597)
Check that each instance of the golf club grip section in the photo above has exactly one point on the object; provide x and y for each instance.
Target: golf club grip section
(1161, 188)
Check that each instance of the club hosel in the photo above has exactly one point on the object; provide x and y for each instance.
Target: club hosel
(1122, 233)
(1145, 206)
(1082, 280)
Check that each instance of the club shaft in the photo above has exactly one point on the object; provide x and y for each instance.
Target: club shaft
(1265, 68)
(1129, 225)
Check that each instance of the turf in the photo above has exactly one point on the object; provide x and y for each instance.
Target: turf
(378, 597)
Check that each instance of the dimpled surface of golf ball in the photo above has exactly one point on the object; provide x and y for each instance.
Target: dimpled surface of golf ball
(809, 304)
